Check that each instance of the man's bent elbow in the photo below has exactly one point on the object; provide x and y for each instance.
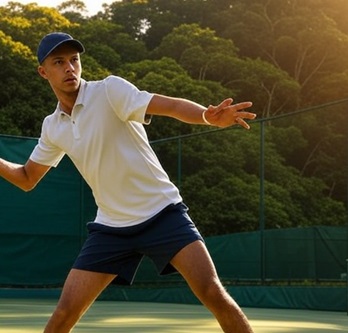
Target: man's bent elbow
(28, 186)
(27, 189)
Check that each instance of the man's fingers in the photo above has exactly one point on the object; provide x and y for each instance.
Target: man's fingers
(242, 123)
(225, 103)
(241, 106)
(245, 114)
(226, 110)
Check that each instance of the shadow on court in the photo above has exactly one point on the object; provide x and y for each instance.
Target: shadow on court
(30, 316)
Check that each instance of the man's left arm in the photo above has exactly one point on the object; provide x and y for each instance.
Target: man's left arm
(223, 115)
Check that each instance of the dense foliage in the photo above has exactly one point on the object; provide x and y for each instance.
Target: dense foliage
(285, 56)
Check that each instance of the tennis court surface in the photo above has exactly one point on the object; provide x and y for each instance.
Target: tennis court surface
(30, 316)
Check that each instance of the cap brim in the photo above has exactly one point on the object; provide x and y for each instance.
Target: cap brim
(79, 47)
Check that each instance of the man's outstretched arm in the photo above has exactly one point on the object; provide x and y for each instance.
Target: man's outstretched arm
(223, 115)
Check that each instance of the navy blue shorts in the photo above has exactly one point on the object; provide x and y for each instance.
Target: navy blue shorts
(120, 250)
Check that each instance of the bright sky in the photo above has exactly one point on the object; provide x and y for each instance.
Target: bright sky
(93, 6)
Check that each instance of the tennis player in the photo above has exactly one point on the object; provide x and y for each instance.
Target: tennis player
(100, 126)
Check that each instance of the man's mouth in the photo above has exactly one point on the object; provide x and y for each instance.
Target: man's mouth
(70, 79)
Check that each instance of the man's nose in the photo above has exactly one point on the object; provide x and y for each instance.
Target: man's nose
(70, 67)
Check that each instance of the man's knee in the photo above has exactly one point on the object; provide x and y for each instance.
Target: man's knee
(63, 319)
(214, 292)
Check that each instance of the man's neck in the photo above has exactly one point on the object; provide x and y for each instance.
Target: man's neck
(67, 101)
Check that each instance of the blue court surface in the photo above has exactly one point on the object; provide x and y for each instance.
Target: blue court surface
(30, 316)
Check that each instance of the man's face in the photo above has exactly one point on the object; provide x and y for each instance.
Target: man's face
(62, 69)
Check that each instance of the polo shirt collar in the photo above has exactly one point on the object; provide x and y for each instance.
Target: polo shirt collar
(79, 99)
(81, 94)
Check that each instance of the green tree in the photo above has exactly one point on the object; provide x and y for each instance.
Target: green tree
(274, 91)
(301, 38)
(193, 46)
(23, 102)
(29, 23)
(223, 178)
(207, 57)
(73, 10)
(130, 14)
(109, 44)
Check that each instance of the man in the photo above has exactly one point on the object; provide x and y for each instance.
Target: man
(99, 125)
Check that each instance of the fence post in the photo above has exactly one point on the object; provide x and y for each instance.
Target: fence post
(179, 162)
(347, 285)
(262, 202)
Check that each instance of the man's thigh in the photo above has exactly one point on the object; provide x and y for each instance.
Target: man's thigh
(81, 288)
(194, 263)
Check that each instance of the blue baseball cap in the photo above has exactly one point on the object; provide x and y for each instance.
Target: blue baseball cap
(51, 41)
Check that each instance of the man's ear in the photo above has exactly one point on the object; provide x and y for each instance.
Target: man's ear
(42, 72)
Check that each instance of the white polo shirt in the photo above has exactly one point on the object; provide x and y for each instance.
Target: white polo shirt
(105, 139)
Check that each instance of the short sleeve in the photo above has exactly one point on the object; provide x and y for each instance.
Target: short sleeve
(128, 102)
(44, 152)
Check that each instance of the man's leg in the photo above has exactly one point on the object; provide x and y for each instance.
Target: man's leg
(80, 290)
(195, 265)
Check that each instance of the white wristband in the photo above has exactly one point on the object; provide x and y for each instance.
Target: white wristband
(205, 119)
